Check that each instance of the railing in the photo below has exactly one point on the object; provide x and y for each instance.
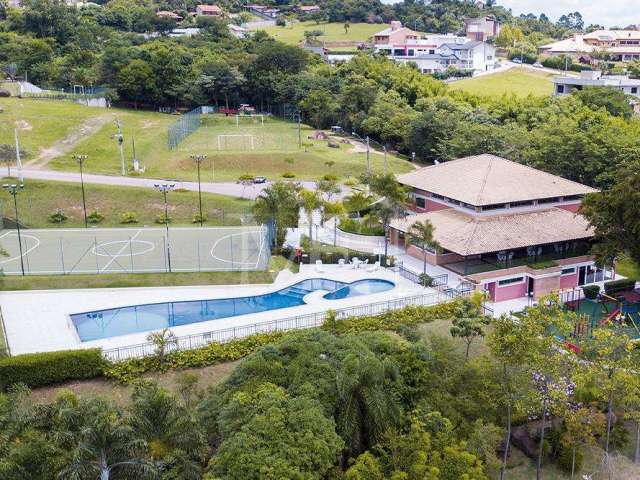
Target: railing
(437, 282)
(291, 323)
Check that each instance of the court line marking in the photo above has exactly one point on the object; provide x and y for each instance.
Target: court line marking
(150, 247)
(25, 252)
(113, 258)
(215, 244)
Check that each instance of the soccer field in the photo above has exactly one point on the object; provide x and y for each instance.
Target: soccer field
(134, 250)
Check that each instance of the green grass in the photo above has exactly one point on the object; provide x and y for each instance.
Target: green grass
(293, 33)
(276, 150)
(57, 282)
(627, 267)
(519, 81)
(40, 199)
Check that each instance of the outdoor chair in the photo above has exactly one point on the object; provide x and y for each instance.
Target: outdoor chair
(319, 267)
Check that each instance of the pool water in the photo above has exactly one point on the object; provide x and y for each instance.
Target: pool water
(141, 318)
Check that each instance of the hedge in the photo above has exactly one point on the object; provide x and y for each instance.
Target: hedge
(42, 369)
(591, 291)
(617, 286)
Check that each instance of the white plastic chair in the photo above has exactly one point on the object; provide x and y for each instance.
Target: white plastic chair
(374, 267)
(319, 267)
(341, 262)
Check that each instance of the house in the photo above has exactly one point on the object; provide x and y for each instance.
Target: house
(511, 230)
(564, 85)
(395, 34)
(308, 9)
(435, 53)
(482, 29)
(237, 31)
(208, 11)
(167, 14)
(621, 45)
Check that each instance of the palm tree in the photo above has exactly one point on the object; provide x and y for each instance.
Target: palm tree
(279, 204)
(367, 399)
(336, 210)
(310, 200)
(422, 233)
(106, 443)
(386, 210)
(162, 340)
(358, 201)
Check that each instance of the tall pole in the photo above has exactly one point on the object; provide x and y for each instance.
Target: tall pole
(299, 130)
(18, 160)
(199, 159)
(120, 139)
(13, 189)
(368, 160)
(164, 188)
(80, 159)
(385, 159)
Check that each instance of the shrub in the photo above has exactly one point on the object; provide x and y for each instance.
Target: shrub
(162, 219)
(197, 218)
(330, 177)
(280, 22)
(5, 93)
(58, 217)
(426, 280)
(246, 177)
(128, 217)
(543, 264)
(289, 175)
(591, 291)
(616, 286)
(350, 182)
(41, 369)
(95, 217)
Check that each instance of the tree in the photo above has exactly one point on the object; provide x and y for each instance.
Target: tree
(357, 201)
(310, 201)
(572, 21)
(137, 82)
(346, 26)
(328, 187)
(368, 402)
(468, 329)
(105, 444)
(162, 341)
(582, 425)
(422, 234)
(615, 101)
(279, 204)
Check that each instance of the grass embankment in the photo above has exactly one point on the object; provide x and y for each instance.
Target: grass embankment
(51, 132)
(118, 280)
(293, 33)
(40, 199)
(518, 81)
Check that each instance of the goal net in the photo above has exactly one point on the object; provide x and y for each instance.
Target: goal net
(237, 142)
(255, 120)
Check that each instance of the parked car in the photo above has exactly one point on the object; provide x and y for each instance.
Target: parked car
(260, 180)
(228, 111)
(516, 60)
(538, 65)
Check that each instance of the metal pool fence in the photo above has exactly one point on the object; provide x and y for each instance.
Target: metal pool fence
(281, 325)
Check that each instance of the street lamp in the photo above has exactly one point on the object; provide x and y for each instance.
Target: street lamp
(165, 188)
(81, 159)
(199, 159)
(13, 189)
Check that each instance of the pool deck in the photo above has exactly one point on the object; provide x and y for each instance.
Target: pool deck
(38, 320)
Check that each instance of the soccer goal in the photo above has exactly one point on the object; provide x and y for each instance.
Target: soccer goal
(255, 119)
(236, 142)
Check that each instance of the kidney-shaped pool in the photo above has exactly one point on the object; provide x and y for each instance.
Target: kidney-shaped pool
(114, 322)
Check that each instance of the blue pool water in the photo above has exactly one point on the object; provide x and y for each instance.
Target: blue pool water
(141, 318)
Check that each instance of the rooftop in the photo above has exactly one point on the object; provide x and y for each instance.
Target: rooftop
(573, 44)
(610, 35)
(467, 234)
(488, 180)
(209, 8)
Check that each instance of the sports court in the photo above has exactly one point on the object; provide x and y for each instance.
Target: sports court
(135, 250)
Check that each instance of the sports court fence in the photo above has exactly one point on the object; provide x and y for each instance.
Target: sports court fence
(183, 127)
(311, 320)
(134, 250)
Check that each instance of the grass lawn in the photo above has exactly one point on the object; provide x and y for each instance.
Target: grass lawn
(293, 33)
(518, 81)
(52, 131)
(110, 280)
(627, 267)
(40, 199)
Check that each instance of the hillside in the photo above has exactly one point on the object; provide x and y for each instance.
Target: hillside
(518, 81)
(293, 33)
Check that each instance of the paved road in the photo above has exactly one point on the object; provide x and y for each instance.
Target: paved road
(230, 189)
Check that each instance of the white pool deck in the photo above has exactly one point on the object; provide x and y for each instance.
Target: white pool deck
(38, 321)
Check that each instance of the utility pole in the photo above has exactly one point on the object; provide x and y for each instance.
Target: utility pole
(384, 148)
(13, 189)
(136, 164)
(368, 157)
(299, 130)
(199, 159)
(165, 188)
(120, 139)
(18, 160)
(80, 159)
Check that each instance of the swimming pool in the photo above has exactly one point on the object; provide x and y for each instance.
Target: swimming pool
(114, 322)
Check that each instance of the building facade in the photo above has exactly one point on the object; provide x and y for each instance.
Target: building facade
(621, 45)
(482, 29)
(564, 85)
(509, 229)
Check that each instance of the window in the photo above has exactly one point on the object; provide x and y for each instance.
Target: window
(560, 88)
(496, 206)
(568, 271)
(634, 90)
(510, 281)
(521, 204)
(432, 52)
(421, 202)
(549, 200)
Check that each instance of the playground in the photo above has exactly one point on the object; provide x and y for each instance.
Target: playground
(134, 250)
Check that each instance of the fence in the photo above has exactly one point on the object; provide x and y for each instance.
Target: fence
(183, 127)
(285, 324)
(4, 346)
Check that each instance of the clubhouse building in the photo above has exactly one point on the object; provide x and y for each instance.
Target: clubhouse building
(510, 229)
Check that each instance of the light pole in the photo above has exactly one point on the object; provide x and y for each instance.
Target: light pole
(13, 189)
(199, 159)
(81, 159)
(165, 188)
(120, 139)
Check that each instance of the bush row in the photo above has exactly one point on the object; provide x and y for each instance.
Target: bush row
(42, 369)
(616, 286)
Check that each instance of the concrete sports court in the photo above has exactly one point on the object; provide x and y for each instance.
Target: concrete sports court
(134, 250)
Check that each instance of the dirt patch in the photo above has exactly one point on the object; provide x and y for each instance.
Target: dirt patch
(148, 124)
(23, 125)
(67, 144)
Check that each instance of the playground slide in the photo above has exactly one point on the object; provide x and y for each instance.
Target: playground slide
(610, 317)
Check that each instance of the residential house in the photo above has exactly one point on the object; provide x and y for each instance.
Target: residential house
(564, 85)
(395, 34)
(511, 230)
(621, 45)
(208, 11)
(482, 29)
(168, 14)
(308, 9)
(237, 31)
